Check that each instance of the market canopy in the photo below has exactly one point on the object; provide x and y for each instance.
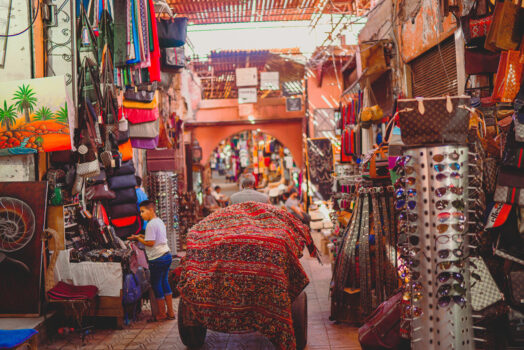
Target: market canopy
(220, 11)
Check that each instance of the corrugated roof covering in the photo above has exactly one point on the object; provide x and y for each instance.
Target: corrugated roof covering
(233, 11)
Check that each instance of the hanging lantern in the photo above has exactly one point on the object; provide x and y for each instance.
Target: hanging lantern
(196, 152)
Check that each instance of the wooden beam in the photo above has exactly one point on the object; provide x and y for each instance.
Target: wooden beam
(196, 124)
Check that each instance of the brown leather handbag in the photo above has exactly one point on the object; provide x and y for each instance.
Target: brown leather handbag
(435, 120)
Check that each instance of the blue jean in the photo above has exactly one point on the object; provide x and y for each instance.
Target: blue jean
(159, 269)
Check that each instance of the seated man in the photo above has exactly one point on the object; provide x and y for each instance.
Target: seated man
(210, 203)
(248, 193)
(294, 207)
(221, 198)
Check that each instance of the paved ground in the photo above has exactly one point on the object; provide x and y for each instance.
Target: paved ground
(322, 333)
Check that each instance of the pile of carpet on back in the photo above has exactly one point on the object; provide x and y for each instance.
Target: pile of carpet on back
(242, 271)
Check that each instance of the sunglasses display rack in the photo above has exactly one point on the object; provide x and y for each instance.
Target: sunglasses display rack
(163, 190)
(434, 247)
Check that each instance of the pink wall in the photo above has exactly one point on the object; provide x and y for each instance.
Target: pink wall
(289, 134)
(329, 89)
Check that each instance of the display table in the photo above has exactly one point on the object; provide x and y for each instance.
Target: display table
(107, 276)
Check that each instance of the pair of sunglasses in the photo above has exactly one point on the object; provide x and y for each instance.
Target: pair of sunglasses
(447, 300)
(440, 157)
(444, 239)
(442, 191)
(401, 204)
(412, 310)
(446, 289)
(444, 217)
(415, 297)
(409, 252)
(451, 175)
(413, 217)
(410, 193)
(408, 228)
(443, 228)
(443, 277)
(444, 204)
(445, 253)
(441, 167)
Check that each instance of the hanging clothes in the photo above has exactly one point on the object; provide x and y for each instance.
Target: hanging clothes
(154, 67)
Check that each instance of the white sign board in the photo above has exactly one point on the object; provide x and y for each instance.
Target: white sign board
(247, 76)
(247, 95)
(269, 81)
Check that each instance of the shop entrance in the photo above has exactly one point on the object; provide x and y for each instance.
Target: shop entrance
(255, 152)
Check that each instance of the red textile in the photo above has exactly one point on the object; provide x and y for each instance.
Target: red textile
(65, 291)
(154, 68)
(242, 271)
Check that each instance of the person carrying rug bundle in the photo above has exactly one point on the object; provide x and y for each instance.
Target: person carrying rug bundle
(159, 258)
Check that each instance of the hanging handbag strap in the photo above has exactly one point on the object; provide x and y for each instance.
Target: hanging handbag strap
(379, 254)
(364, 257)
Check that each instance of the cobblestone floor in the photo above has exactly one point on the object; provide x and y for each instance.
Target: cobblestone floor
(322, 333)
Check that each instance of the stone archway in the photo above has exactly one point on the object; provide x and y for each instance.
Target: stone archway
(289, 133)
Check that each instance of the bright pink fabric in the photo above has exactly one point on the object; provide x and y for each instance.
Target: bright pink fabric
(154, 68)
(137, 116)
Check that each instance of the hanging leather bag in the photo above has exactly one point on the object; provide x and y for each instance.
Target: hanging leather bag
(480, 61)
(173, 58)
(144, 143)
(381, 330)
(123, 181)
(99, 191)
(510, 187)
(438, 120)
(172, 32)
(144, 130)
(124, 195)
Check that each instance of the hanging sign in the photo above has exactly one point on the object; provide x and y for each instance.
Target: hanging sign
(247, 76)
(269, 81)
(247, 95)
(293, 104)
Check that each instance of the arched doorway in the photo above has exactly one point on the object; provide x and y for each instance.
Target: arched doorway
(288, 132)
(254, 152)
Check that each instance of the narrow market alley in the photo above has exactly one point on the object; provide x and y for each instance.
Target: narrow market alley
(171, 171)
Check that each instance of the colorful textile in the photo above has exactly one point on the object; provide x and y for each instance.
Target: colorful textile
(65, 291)
(242, 271)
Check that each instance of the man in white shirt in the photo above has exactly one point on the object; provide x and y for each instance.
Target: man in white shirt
(248, 193)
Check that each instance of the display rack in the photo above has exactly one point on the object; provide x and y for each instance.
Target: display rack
(434, 327)
(163, 190)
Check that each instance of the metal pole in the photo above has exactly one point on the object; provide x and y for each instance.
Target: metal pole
(306, 104)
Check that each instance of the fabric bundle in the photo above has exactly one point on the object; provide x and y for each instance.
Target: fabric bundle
(242, 270)
(65, 291)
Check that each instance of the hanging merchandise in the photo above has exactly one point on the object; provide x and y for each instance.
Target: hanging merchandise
(509, 76)
(366, 260)
(172, 32)
(163, 190)
(173, 59)
(505, 32)
(434, 120)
